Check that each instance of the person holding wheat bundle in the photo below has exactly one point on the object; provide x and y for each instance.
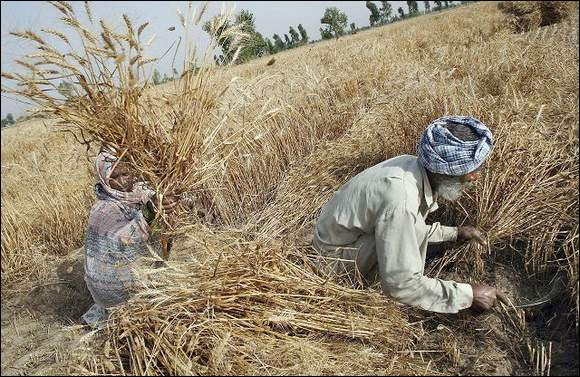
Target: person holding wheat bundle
(118, 234)
(375, 224)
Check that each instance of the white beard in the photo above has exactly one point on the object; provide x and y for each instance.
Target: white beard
(451, 189)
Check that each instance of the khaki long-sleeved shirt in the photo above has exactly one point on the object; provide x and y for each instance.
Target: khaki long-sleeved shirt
(391, 201)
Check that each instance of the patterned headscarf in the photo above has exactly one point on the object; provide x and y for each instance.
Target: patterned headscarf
(441, 152)
(138, 196)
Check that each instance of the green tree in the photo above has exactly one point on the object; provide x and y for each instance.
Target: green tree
(294, 35)
(413, 8)
(325, 33)
(278, 43)
(256, 46)
(401, 12)
(215, 28)
(9, 120)
(446, 4)
(271, 47)
(303, 34)
(287, 41)
(437, 5)
(427, 6)
(246, 21)
(386, 11)
(352, 28)
(375, 15)
(335, 21)
(253, 44)
(156, 77)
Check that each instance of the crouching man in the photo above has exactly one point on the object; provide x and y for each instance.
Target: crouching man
(375, 224)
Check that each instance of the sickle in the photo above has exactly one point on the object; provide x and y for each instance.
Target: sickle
(557, 288)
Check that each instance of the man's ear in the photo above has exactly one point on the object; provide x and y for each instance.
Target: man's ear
(471, 177)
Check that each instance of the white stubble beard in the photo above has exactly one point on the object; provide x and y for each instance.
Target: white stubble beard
(451, 189)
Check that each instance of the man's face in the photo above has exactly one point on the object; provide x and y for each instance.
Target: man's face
(451, 188)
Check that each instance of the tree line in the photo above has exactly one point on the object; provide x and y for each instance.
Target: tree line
(385, 14)
(334, 24)
(255, 44)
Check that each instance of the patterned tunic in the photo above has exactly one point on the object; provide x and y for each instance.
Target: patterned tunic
(117, 236)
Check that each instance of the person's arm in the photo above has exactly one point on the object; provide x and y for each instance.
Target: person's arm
(440, 233)
(149, 211)
(401, 267)
(150, 207)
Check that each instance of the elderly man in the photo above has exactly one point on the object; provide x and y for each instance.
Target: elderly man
(376, 222)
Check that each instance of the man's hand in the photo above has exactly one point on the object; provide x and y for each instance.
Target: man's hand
(468, 233)
(484, 297)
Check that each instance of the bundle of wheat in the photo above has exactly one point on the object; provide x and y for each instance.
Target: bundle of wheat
(245, 309)
(113, 105)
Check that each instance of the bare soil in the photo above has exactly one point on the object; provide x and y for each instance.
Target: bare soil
(42, 327)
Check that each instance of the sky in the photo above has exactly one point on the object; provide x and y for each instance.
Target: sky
(270, 17)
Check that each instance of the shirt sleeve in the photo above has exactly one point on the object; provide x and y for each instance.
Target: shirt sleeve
(439, 233)
(401, 267)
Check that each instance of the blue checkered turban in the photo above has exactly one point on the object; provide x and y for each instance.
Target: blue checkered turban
(441, 152)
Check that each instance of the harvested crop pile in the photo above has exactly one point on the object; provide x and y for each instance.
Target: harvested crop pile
(524, 16)
(250, 308)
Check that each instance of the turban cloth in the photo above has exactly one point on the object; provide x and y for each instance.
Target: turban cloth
(441, 152)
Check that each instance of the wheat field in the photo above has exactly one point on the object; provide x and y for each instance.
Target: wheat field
(240, 296)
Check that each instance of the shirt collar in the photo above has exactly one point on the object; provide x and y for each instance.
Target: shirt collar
(428, 195)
